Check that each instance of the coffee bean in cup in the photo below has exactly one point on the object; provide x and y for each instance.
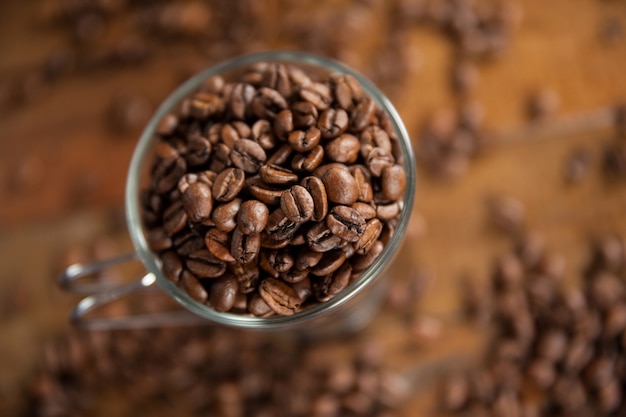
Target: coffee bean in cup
(272, 189)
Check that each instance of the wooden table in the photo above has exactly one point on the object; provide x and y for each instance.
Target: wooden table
(68, 189)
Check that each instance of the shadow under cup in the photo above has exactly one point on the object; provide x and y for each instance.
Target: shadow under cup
(351, 309)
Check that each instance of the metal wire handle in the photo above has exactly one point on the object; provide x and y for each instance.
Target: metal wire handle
(103, 293)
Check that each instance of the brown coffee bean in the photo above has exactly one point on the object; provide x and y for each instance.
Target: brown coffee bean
(198, 150)
(216, 242)
(283, 124)
(363, 181)
(279, 296)
(187, 242)
(317, 94)
(268, 242)
(368, 238)
(294, 276)
(332, 123)
(302, 141)
(297, 204)
(167, 125)
(263, 134)
(361, 262)
(223, 293)
(599, 372)
(579, 353)
(308, 161)
(605, 290)
(174, 218)
(205, 105)
(615, 321)
(321, 239)
(610, 396)
(388, 211)
(274, 174)
(363, 114)
(267, 193)
(379, 159)
(280, 261)
(332, 284)
(167, 173)
(304, 114)
(307, 258)
(158, 239)
(247, 275)
(393, 182)
(252, 217)
(341, 188)
(347, 90)
(240, 98)
(542, 373)
(279, 227)
(172, 266)
(204, 265)
(367, 211)
(232, 132)
(224, 215)
(317, 190)
(228, 184)
(330, 262)
(346, 223)
(344, 149)
(221, 158)
(280, 156)
(248, 155)
(192, 286)
(245, 247)
(258, 307)
(214, 133)
(552, 345)
(197, 200)
(267, 103)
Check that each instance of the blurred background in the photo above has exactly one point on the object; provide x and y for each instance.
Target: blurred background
(517, 117)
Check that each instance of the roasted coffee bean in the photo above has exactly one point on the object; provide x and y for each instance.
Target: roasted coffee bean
(167, 125)
(307, 258)
(332, 123)
(283, 124)
(258, 307)
(280, 156)
(187, 242)
(388, 211)
(267, 193)
(321, 239)
(368, 238)
(224, 215)
(346, 223)
(279, 296)
(263, 134)
(347, 90)
(317, 94)
(309, 161)
(317, 190)
(362, 262)
(363, 181)
(172, 266)
(204, 265)
(363, 114)
(302, 141)
(197, 200)
(247, 276)
(198, 151)
(332, 284)
(393, 182)
(304, 114)
(294, 276)
(344, 149)
(248, 155)
(232, 132)
(252, 217)
(297, 204)
(266, 265)
(223, 293)
(167, 172)
(221, 158)
(267, 103)
(245, 247)
(367, 211)
(341, 188)
(205, 105)
(228, 184)
(268, 242)
(275, 174)
(379, 159)
(330, 262)
(281, 261)
(280, 227)
(239, 100)
(216, 242)
(192, 286)
(174, 218)
(158, 239)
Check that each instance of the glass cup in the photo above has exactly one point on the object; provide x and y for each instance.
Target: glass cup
(347, 312)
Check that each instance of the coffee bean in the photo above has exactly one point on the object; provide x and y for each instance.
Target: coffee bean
(204, 265)
(279, 296)
(205, 105)
(248, 155)
(216, 242)
(258, 307)
(368, 238)
(240, 98)
(232, 132)
(187, 242)
(308, 161)
(317, 94)
(197, 200)
(307, 258)
(221, 158)
(379, 159)
(192, 286)
(347, 90)
(167, 172)
(388, 211)
(317, 190)
(294, 276)
(263, 134)
(393, 182)
(363, 181)
(344, 149)
(280, 261)
(245, 247)
(321, 239)
(341, 188)
(174, 218)
(280, 227)
(198, 151)
(247, 275)
(362, 262)
(228, 184)
(332, 123)
(280, 156)
(224, 215)
(267, 193)
(223, 293)
(275, 174)
(283, 124)
(304, 141)
(363, 114)
(346, 223)
(158, 239)
(367, 211)
(252, 217)
(267, 103)
(332, 284)
(304, 115)
(167, 125)
(330, 262)
(297, 204)
(172, 266)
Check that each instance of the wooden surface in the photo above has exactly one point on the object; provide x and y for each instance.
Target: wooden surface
(75, 173)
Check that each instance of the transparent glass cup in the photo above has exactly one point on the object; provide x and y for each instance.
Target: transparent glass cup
(347, 312)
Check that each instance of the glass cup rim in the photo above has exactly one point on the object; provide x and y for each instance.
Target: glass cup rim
(133, 190)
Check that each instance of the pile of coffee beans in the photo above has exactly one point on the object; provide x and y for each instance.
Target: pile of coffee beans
(273, 191)
(555, 351)
(209, 371)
